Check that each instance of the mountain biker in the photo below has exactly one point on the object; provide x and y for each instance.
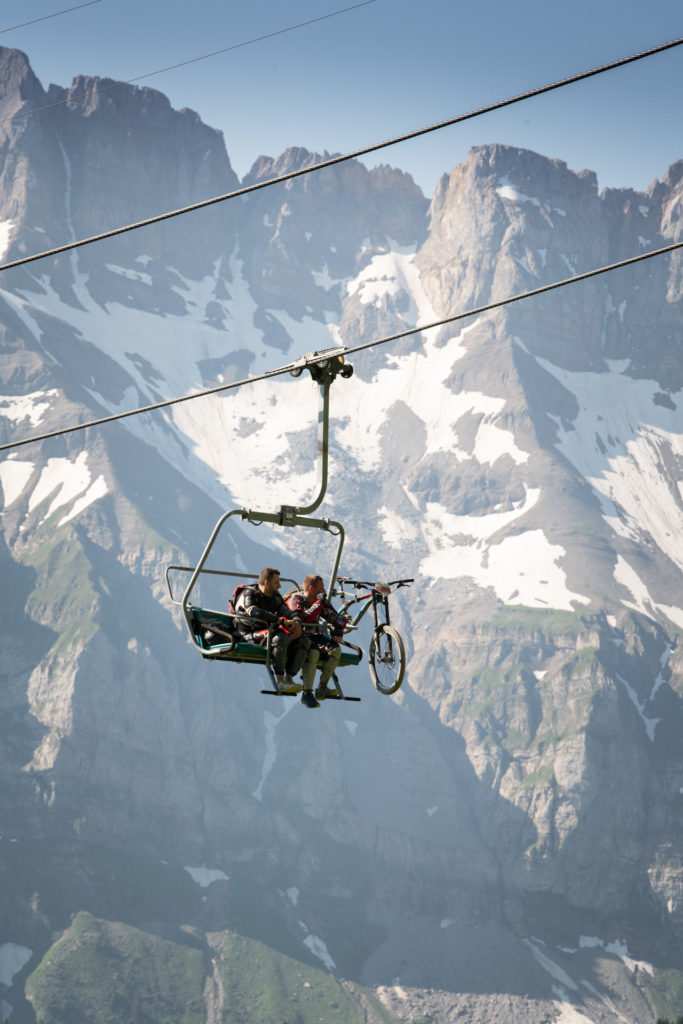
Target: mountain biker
(311, 605)
(292, 651)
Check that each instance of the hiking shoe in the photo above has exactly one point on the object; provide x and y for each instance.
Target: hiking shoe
(308, 700)
(288, 687)
(324, 691)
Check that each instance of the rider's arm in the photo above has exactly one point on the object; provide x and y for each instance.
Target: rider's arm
(336, 621)
(251, 608)
(290, 614)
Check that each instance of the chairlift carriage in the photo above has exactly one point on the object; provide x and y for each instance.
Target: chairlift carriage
(215, 633)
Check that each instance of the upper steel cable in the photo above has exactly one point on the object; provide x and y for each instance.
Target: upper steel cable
(332, 161)
(310, 361)
(46, 17)
(182, 63)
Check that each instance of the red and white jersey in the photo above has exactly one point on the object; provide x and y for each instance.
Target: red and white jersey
(320, 609)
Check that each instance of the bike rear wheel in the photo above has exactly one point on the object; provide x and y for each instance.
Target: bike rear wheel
(387, 659)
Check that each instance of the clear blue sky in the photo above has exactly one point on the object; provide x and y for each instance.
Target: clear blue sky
(388, 68)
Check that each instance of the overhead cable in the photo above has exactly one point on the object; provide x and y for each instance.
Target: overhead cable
(341, 158)
(184, 63)
(46, 17)
(321, 357)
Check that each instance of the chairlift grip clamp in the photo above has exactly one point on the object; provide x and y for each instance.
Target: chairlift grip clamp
(323, 366)
(288, 515)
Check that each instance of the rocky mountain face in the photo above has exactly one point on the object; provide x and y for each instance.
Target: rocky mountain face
(500, 841)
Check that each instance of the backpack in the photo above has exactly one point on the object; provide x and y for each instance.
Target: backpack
(235, 604)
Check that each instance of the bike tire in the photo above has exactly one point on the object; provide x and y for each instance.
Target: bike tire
(387, 659)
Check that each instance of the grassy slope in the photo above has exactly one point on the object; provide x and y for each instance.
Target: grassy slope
(103, 973)
(262, 986)
(99, 972)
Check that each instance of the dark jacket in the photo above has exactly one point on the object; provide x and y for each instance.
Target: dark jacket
(257, 606)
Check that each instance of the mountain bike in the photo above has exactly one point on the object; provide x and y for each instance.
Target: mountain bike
(386, 656)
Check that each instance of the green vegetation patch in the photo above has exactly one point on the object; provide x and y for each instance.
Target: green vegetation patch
(581, 663)
(105, 973)
(64, 597)
(262, 986)
(514, 741)
(666, 990)
(541, 777)
(539, 620)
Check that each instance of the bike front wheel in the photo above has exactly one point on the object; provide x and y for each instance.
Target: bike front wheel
(387, 659)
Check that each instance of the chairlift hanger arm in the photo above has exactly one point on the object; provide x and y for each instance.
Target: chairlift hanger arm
(324, 368)
(323, 371)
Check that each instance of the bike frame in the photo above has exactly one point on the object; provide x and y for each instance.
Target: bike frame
(374, 598)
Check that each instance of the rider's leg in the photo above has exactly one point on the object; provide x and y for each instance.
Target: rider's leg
(309, 667)
(279, 650)
(297, 653)
(329, 666)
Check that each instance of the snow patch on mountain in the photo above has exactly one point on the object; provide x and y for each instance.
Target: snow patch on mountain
(131, 275)
(31, 407)
(205, 877)
(649, 723)
(5, 234)
(14, 476)
(397, 530)
(419, 380)
(626, 575)
(549, 964)
(160, 354)
(247, 443)
(447, 527)
(318, 948)
(384, 275)
(508, 191)
(622, 442)
(12, 958)
(617, 948)
(389, 274)
(271, 723)
(522, 569)
(172, 344)
(67, 481)
(307, 334)
(324, 280)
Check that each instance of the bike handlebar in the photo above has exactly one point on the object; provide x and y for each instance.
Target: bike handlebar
(366, 583)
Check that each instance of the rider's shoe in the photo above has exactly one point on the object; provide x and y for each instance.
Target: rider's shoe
(325, 691)
(308, 700)
(288, 687)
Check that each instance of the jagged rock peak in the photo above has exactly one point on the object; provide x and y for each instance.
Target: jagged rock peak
(381, 178)
(89, 94)
(497, 158)
(97, 92)
(18, 84)
(497, 165)
(293, 159)
(673, 175)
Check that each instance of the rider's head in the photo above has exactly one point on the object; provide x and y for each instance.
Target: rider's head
(269, 581)
(312, 586)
